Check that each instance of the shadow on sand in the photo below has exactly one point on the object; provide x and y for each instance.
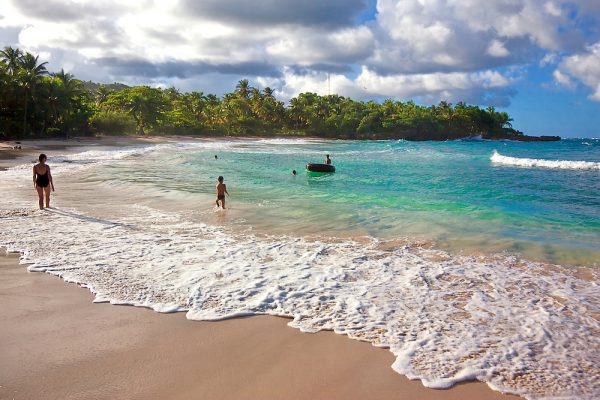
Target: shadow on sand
(89, 219)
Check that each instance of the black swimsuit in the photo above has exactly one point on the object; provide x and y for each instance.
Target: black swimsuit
(42, 180)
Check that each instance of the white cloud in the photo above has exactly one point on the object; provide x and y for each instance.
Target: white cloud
(369, 84)
(436, 84)
(585, 67)
(426, 48)
(553, 9)
(563, 79)
(293, 84)
(415, 36)
(549, 59)
(306, 46)
(497, 49)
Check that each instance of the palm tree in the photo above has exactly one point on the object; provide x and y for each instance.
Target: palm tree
(29, 76)
(70, 88)
(195, 102)
(68, 80)
(269, 93)
(271, 109)
(172, 93)
(9, 90)
(235, 111)
(503, 120)
(11, 58)
(101, 95)
(212, 109)
(145, 105)
(256, 103)
(300, 109)
(242, 89)
(49, 95)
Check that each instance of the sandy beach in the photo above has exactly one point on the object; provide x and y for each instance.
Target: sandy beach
(55, 343)
(26, 151)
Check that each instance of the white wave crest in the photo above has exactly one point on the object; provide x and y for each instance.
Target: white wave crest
(535, 162)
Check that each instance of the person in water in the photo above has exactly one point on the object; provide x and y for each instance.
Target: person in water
(294, 172)
(42, 181)
(327, 159)
(221, 190)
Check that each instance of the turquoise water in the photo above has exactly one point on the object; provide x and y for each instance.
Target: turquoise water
(450, 193)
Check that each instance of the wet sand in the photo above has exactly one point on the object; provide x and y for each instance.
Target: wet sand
(30, 149)
(56, 344)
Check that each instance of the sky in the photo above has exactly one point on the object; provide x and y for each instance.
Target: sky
(538, 60)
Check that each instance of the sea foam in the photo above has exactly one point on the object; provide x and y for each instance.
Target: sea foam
(534, 162)
(521, 327)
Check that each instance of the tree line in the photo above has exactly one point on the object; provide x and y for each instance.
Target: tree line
(37, 103)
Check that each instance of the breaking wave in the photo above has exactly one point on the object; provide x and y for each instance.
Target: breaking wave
(542, 163)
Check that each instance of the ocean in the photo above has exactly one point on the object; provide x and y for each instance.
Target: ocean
(467, 259)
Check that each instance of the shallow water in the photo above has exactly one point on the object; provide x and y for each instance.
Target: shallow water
(453, 193)
(447, 253)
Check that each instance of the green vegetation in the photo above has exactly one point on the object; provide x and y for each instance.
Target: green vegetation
(37, 103)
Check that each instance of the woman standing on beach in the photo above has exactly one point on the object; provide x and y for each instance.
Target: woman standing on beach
(42, 180)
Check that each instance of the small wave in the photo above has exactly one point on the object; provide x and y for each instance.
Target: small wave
(289, 141)
(478, 138)
(535, 162)
(63, 163)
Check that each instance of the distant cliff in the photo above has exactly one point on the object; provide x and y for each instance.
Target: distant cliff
(520, 138)
(437, 135)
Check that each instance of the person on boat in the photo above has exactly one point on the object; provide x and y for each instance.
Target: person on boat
(221, 190)
(42, 181)
(327, 160)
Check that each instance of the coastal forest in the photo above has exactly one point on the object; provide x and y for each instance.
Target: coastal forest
(37, 103)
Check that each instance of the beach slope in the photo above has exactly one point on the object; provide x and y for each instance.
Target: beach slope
(56, 344)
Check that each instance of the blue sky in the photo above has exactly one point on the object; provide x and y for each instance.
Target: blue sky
(539, 60)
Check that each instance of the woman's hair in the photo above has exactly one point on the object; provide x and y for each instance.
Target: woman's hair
(220, 179)
(42, 157)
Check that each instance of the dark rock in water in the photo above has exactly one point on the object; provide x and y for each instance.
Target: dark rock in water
(422, 135)
(520, 137)
(550, 138)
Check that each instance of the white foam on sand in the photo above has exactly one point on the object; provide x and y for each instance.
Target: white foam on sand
(522, 327)
(541, 163)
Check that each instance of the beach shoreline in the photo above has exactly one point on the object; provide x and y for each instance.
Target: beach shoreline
(57, 343)
(29, 149)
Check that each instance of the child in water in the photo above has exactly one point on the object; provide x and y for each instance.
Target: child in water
(221, 190)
